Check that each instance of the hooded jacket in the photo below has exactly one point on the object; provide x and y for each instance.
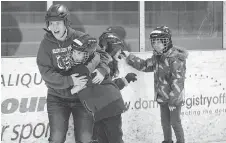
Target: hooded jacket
(117, 106)
(52, 60)
(169, 74)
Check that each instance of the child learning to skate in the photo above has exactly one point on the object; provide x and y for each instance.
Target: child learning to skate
(169, 66)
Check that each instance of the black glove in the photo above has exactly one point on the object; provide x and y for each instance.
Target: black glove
(123, 54)
(131, 77)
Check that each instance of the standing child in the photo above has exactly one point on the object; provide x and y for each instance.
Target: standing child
(169, 65)
(108, 123)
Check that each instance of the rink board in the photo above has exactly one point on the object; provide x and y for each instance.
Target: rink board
(23, 102)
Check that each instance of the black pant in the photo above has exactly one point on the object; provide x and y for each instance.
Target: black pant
(109, 130)
(171, 119)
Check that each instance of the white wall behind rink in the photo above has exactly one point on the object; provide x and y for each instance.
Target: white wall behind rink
(23, 106)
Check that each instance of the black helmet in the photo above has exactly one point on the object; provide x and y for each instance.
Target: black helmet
(120, 31)
(57, 12)
(162, 33)
(85, 44)
(112, 42)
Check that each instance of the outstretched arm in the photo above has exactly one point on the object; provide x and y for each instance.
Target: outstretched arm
(121, 82)
(140, 64)
(124, 81)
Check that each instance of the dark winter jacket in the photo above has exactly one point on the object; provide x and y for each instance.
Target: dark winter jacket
(52, 60)
(102, 100)
(116, 107)
(97, 96)
(169, 74)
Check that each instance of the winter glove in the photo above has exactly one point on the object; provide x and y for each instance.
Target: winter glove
(125, 53)
(122, 55)
(131, 77)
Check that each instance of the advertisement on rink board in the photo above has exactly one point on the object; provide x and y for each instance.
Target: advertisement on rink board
(24, 115)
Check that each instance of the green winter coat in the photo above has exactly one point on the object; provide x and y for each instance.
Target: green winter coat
(169, 74)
